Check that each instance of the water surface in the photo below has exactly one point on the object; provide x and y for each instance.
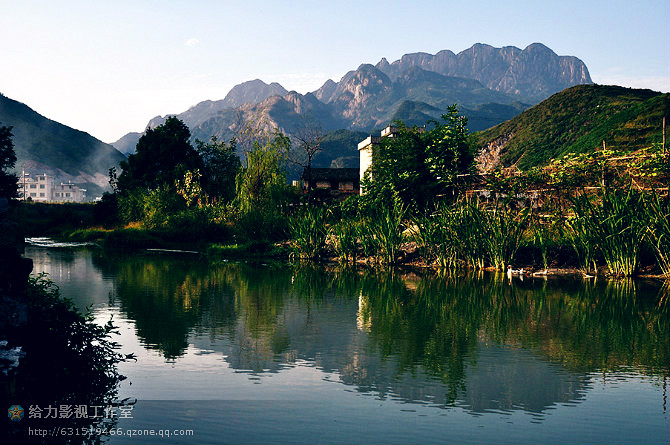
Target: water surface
(259, 353)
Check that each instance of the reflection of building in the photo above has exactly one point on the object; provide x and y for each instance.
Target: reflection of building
(337, 181)
(43, 188)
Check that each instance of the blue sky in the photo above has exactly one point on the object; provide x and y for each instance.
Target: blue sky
(107, 67)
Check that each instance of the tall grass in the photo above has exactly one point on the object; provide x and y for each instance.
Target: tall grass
(345, 240)
(470, 232)
(382, 231)
(616, 226)
(542, 237)
(658, 233)
(310, 232)
(503, 228)
(436, 237)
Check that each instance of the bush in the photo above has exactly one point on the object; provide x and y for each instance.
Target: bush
(69, 358)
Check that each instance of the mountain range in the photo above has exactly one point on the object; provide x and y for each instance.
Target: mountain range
(490, 85)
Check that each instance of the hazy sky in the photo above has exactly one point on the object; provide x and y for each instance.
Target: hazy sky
(107, 67)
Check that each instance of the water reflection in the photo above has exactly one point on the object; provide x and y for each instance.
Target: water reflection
(479, 342)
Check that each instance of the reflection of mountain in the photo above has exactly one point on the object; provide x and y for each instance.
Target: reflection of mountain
(480, 344)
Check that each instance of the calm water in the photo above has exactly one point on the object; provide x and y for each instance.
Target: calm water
(256, 353)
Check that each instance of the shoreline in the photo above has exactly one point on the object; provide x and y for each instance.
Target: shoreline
(283, 252)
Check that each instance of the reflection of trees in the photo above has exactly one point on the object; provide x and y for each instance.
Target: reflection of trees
(449, 340)
(438, 326)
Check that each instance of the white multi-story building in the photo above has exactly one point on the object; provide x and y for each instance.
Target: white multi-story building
(43, 188)
(366, 147)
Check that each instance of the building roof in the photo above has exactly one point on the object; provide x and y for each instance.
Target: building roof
(332, 174)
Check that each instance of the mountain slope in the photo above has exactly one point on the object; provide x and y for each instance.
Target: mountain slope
(576, 120)
(44, 145)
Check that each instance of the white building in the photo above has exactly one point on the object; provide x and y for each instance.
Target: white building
(366, 146)
(43, 188)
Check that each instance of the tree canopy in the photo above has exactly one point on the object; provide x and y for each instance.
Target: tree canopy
(8, 181)
(220, 167)
(162, 156)
(417, 164)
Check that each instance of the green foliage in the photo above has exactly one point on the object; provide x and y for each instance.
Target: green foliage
(447, 149)
(417, 165)
(161, 157)
(261, 184)
(262, 225)
(190, 189)
(8, 181)
(577, 120)
(658, 215)
(159, 205)
(469, 220)
(616, 226)
(381, 231)
(436, 238)
(64, 346)
(220, 168)
(542, 238)
(310, 231)
(503, 229)
(345, 239)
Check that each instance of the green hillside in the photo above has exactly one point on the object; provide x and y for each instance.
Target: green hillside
(339, 148)
(480, 117)
(577, 120)
(57, 146)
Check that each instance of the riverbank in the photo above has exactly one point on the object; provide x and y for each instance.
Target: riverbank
(81, 223)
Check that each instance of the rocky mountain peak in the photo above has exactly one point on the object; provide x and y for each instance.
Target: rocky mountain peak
(252, 91)
(325, 93)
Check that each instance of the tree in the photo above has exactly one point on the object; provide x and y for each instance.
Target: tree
(307, 139)
(8, 181)
(448, 152)
(418, 164)
(221, 164)
(262, 181)
(161, 157)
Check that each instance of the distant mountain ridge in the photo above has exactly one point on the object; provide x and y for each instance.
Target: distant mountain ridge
(533, 73)
(489, 84)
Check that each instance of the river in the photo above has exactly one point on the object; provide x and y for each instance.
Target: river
(267, 353)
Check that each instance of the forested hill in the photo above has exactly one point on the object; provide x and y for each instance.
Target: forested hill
(46, 146)
(576, 120)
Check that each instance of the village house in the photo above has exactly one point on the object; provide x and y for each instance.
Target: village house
(43, 188)
(339, 182)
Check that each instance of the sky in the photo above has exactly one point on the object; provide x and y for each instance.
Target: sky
(108, 67)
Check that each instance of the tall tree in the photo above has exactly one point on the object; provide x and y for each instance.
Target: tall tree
(307, 139)
(162, 155)
(221, 164)
(261, 183)
(8, 181)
